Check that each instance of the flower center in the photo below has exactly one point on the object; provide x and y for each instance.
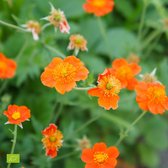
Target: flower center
(100, 157)
(65, 71)
(78, 41)
(159, 93)
(124, 71)
(57, 17)
(98, 3)
(16, 115)
(52, 138)
(109, 86)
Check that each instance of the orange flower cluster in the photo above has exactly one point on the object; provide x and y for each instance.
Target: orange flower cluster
(7, 67)
(17, 114)
(121, 75)
(52, 140)
(100, 156)
(63, 74)
(99, 7)
(151, 96)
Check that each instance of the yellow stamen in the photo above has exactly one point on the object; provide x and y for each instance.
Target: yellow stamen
(109, 86)
(100, 157)
(16, 115)
(52, 138)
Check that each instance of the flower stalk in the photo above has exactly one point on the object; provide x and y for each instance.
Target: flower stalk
(125, 133)
(13, 143)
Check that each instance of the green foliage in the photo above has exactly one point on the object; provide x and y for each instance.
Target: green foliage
(144, 142)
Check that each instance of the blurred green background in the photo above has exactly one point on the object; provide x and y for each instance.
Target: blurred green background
(147, 144)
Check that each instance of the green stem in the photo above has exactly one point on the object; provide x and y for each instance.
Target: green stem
(83, 88)
(151, 47)
(87, 123)
(104, 34)
(125, 133)
(66, 155)
(83, 126)
(45, 26)
(3, 86)
(21, 52)
(58, 112)
(142, 21)
(56, 51)
(13, 143)
(12, 26)
(150, 38)
(115, 119)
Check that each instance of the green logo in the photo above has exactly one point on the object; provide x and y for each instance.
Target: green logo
(13, 158)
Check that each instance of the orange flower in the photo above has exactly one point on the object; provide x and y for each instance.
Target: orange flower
(17, 114)
(7, 67)
(77, 42)
(63, 74)
(100, 156)
(125, 72)
(151, 96)
(52, 140)
(99, 7)
(107, 90)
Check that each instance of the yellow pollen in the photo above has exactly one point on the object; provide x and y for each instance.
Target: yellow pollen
(52, 138)
(100, 157)
(98, 3)
(16, 115)
(109, 86)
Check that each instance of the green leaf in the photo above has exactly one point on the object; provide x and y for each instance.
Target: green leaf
(122, 42)
(148, 156)
(154, 133)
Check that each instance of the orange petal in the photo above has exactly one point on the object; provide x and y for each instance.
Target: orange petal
(87, 155)
(132, 83)
(136, 69)
(47, 78)
(99, 147)
(113, 152)
(50, 129)
(74, 61)
(156, 108)
(64, 87)
(166, 104)
(54, 62)
(51, 152)
(109, 102)
(94, 92)
(82, 73)
(91, 165)
(111, 163)
(119, 62)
